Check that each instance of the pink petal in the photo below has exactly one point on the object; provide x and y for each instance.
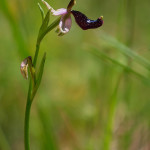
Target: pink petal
(65, 24)
(61, 11)
(68, 23)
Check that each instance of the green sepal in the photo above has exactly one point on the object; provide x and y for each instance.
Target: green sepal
(42, 12)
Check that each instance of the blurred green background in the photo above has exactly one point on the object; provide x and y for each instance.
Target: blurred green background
(95, 91)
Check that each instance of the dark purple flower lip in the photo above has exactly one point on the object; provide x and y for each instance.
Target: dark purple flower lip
(84, 22)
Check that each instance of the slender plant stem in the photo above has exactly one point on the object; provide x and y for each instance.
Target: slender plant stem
(111, 115)
(129, 42)
(26, 129)
(33, 88)
(29, 103)
(40, 38)
(36, 53)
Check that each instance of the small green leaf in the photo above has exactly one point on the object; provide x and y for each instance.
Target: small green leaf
(40, 73)
(44, 25)
(39, 76)
(42, 12)
(48, 29)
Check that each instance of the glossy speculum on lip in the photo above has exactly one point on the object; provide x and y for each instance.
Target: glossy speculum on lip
(84, 22)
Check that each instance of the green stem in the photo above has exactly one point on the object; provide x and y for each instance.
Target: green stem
(36, 53)
(26, 126)
(40, 38)
(33, 89)
(111, 115)
(28, 104)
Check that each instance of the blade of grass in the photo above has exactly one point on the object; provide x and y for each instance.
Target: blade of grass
(49, 138)
(120, 18)
(22, 49)
(130, 11)
(112, 42)
(111, 116)
(130, 21)
(4, 145)
(103, 56)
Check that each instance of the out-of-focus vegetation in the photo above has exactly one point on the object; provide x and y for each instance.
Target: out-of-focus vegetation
(95, 91)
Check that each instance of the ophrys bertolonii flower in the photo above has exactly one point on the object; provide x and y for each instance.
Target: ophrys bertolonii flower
(65, 22)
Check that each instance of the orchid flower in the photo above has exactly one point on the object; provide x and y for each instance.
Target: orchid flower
(66, 22)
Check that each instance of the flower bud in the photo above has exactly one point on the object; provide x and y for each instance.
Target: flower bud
(24, 67)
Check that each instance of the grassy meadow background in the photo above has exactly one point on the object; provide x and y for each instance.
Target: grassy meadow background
(95, 91)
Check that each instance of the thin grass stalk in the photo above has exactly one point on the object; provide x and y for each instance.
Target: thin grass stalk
(17, 35)
(130, 11)
(125, 50)
(4, 145)
(120, 18)
(104, 56)
(111, 116)
(49, 139)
